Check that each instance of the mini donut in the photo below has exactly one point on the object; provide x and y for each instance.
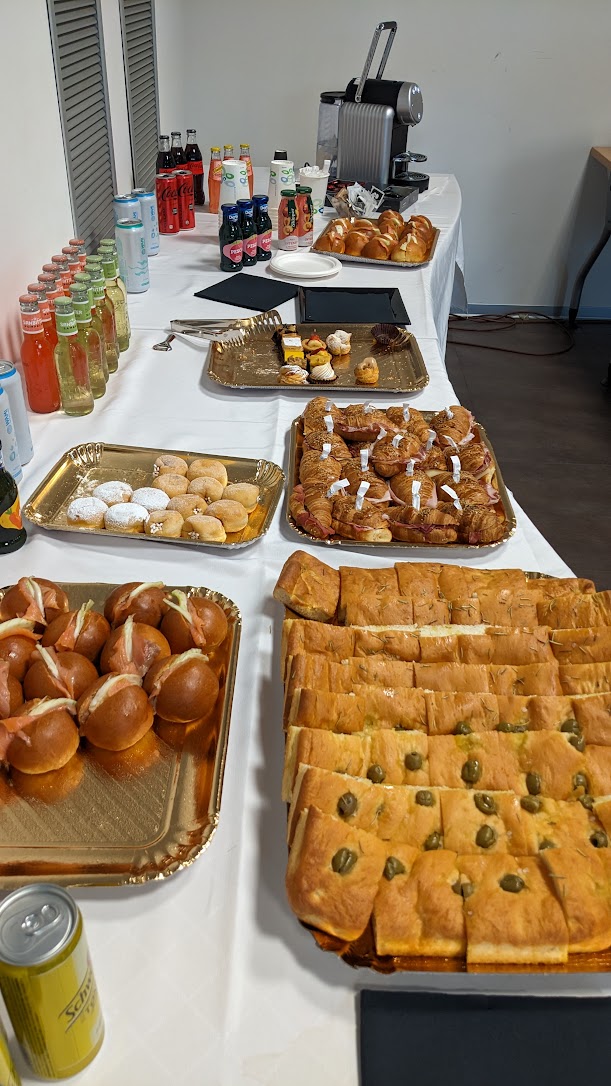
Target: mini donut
(233, 515)
(114, 492)
(213, 468)
(247, 494)
(128, 518)
(164, 522)
(86, 512)
(188, 505)
(170, 465)
(151, 498)
(205, 486)
(204, 529)
(171, 484)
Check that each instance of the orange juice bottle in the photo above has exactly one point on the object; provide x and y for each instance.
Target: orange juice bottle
(245, 157)
(215, 174)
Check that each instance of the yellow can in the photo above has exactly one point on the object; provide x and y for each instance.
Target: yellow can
(47, 981)
(9, 1076)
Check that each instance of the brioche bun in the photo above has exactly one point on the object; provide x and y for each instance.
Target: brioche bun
(49, 600)
(143, 600)
(47, 741)
(115, 712)
(183, 688)
(206, 628)
(132, 649)
(93, 628)
(17, 643)
(58, 675)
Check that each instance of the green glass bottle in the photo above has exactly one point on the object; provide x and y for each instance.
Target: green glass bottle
(109, 244)
(89, 339)
(71, 361)
(113, 291)
(83, 279)
(105, 311)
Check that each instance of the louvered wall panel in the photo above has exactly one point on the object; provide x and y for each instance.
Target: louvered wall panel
(138, 28)
(80, 73)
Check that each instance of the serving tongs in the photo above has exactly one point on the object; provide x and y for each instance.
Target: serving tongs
(233, 332)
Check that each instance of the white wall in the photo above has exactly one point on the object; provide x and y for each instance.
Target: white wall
(515, 93)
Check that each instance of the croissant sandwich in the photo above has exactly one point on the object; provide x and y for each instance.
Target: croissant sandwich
(313, 515)
(401, 488)
(410, 419)
(314, 414)
(360, 422)
(316, 440)
(474, 458)
(378, 491)
(476, 524)
(367, 524)
(389, 456)
(468, 489)
(423, 525)
(452, 425)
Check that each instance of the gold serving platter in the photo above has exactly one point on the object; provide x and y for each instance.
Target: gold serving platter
(256, 364)
(295, 450)
(111, 818)
(346, 259)
(83, 467)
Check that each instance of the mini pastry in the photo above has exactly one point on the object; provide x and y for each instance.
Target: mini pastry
(34, 598)
(293, 375)
(188, 505)
(292, 349)
(339, 342)
(203, 529)
(232, 515)
(323, 373)
(114, 492)
(17, 642)
(86, 512)
(127, 518)
(171, 484)
(58, 675)
(213, 468)
(83, 631)
(132, 649)
(115, 712)
(166, 523)
(43, 736)
(367, 372)
(151, 498)
(182, 688)
(193, 622)
(391, 337)
(170, 465)
(319, 358)
(207, 488)
(247, 494)
(142, 599)
(313, 343)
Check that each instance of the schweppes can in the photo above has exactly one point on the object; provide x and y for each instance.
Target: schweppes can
(47, 981)
(9, 1075)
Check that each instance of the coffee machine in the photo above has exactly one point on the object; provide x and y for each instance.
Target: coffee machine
(363, 130)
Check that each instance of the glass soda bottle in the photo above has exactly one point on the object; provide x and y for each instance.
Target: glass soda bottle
(177, 151)
(115, 296)
(105, 311)
(39, 291)
(73, 257)
(61, 263)
(12, 532)
(52, 269)
(37, 359)
(111, 245)
(249, 233)
(215, 174)
(71, 361)
(228, 151)
(165, 159)
(80, 244)
(193, 160)
(83, 279)
(245, 157)
(89, 338)
(264, 227)
(230, 239)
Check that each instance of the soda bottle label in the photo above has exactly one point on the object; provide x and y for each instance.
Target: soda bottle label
(167, 169)
(250, 245)
(264, 241)
(65, 324)
(216, 169)
(11, 518)
(233, 251)
(31, 322)
(195, 167)
(82, 311)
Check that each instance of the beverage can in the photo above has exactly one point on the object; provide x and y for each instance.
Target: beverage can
(126, 207)
(148, 215)
(9, 1075)
(186, 209)
(47, 981)
(166, 190)
(8, 438)
(305, 215)
(287, 221)
(10, 381)
(131, 250)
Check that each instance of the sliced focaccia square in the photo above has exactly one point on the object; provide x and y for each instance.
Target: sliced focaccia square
(348, 754)
(524, 679)
(518, 814)
(584, 646)
(349, 713)
(351, 799)
(448, 712)
(466, 611)
(506, 645)
(316, 672)
(574, 611)
(419, 580)
(598, 770)
(469, 678)
(471, 822)
(401, 756)
(507, 607)
(549, 713)
(511, 914)
(552, 764)
(581, 885)
(586, 678)
(308, 586)
(384, 642)
(431, 612)
(439, 646)
(371, 597)
(487, 761)
(460, 582)
(300, 636)
(601, 809)
(547, 588)
(513, 711)
(559, 824)
(333, 874)
(593, 715)
(419, 908)
(421, 822)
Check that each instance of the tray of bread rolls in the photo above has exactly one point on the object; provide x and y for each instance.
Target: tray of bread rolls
(163, 495)
(115, 708)
(448, 766)
(382, 239)
(366, 476)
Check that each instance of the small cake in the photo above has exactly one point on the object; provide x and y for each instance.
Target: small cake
(247, 494)
(213, 468)
(170, 465)
(207, 488)
(313, 343)
(151, 498)
(171, 484)
(293, 375)
(164, 522)
(339, 342)
(127, 517)
(204, 530)
(232, 515)
(86, 512)
(319, 359)
(367, 371)
(113, 492)
(323, 373)
(188, 505)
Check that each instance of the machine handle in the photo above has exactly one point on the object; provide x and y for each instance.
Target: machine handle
(391, 26)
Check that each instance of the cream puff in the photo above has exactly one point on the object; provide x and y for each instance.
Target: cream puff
(367, 372)
(293, 375)
(86, 512)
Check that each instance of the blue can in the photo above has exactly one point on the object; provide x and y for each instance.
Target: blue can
(126, 207)
(131, 250)
(148, 216)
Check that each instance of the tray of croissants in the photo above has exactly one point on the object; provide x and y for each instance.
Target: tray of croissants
(396, 477)
(382, 239)
(115, 706)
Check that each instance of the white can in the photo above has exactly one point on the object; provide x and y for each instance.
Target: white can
(148, 214)
(8, 437)
(11, 383)
(131, 250)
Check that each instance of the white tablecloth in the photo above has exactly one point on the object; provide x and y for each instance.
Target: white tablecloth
(207, 977)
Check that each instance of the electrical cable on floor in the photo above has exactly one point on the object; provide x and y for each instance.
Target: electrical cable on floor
(505, 322)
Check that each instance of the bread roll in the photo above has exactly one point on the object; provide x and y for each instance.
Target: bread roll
(34, 598)
(47, 737)
(193, 622)
(58, 675)
(115, 712)
(354, 242)
(330, 242)
(142, 599)
(17, 643)
(132, 649)
(378, 248)
(83, 631)
(412, 250)
(182, 688)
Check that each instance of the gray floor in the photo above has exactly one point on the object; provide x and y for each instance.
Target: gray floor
(549, 420)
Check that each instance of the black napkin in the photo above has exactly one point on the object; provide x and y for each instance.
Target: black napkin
(425, 1039)
(352, 305)
(249, 292)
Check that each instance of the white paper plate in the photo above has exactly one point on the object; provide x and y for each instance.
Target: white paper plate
(304, 265)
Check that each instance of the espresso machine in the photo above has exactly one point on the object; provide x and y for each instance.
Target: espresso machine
(363, 130)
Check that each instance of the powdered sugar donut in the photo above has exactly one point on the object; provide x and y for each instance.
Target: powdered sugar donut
(151, 498)
(113, 492)
(128, 518)
(86, 512)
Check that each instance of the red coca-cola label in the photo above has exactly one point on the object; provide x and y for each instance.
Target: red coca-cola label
(233, 252)
(264, 241)
(167, 205)
(195, 167)
(250, 245)
(167, 169)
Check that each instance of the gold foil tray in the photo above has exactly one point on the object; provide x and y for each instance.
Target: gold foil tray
(295, 449)
(256, 364)
(109, 818)
(83, 467)
(369, 260)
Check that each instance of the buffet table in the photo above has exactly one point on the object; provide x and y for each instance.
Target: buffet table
(208, 977)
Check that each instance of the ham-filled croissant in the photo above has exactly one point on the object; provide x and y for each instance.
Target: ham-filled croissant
(367, 524)
(423, 525)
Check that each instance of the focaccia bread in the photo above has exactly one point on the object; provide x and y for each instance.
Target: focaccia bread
(419, 908)
(350, 754)
(524, 678)
(589, 646)
(586, 678)
(581, 884)
(506, 645)
(575, 611)
(352, 800)
(316, 671)
(299, 636)
(472, 823)
(593, 715)
(448, 712)
(402, 757)
(550, 764)
(376, 708)
(547, 588)
(308, 586)
(488, 761)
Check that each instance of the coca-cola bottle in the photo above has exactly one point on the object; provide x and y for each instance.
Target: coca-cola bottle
(165, 159)
(193, 157)
(177, 151)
